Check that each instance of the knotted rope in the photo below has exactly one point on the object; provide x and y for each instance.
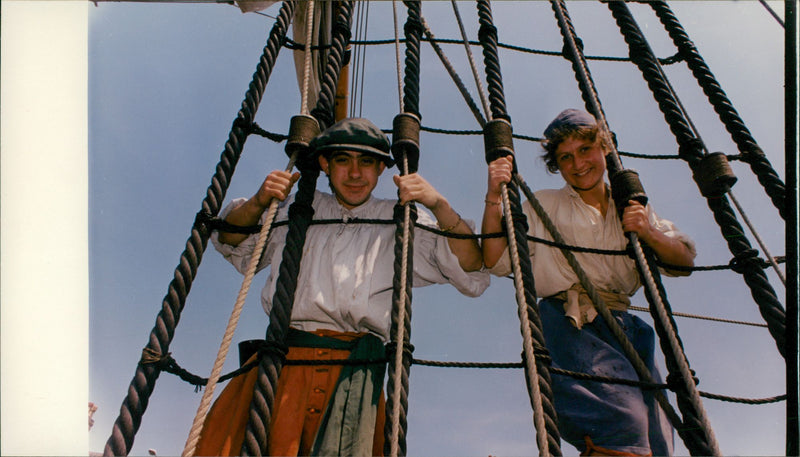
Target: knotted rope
(498, 142)
(143, 383)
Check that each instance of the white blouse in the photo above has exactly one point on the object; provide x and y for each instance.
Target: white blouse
(582, 225)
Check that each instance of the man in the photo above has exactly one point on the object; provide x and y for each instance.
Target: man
(344, 294)
(597, 418)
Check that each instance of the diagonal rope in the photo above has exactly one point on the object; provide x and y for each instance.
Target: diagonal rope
(143, 384)
(233, 320)
(470, 57)
(654, 293)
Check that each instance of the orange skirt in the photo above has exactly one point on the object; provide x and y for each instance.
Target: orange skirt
(300, 401)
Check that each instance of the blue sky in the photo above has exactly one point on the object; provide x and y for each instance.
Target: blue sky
(165, 82)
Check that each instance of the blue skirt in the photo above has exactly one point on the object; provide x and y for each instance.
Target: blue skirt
(618, 417)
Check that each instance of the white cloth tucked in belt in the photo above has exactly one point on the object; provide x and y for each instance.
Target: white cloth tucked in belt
(580, 309)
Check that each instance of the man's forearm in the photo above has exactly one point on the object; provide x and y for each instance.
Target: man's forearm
(246, 214)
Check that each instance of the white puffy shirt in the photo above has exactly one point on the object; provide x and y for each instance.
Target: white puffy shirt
(347, 270)
(582, 225)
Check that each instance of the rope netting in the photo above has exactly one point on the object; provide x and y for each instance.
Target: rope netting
(693, 426)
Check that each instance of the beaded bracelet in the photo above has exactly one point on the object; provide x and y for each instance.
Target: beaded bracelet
(449, 229)
(489, 202)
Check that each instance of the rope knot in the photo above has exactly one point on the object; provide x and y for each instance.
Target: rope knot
(675, 381)
(413, 26)
(745, 261)
(151, 356)
(690, 150)
(399, 214)
(271, 347)
(408, 351)
(202, 221)
(541, 354)
(245, 124)
(487, 32)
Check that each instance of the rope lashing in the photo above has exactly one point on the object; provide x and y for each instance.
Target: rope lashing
(537, 374)
(751, 151)
(405, 149)
(691, 150)
(626, 186)
(713, 175)
(143, 383)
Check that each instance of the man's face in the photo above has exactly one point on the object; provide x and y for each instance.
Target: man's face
(353, 176)
(581, 162)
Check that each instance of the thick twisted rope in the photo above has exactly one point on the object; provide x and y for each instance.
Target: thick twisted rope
(690, 150)
(399, 349)
(751, 151)
(143, 383)
(233, 320)
(696, 429)
(256, 439)
(536, 373)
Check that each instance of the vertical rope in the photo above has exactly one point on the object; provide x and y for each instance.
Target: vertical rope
(256, 439)
(395, 428)
(143, 383)
(696, 430)
(537, 372)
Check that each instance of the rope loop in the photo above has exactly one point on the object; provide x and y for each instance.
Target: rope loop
(675, 382)
(498, 140)
(713, 175)
(626, 186)
(745, 260)
(302, 129)
(405, 140)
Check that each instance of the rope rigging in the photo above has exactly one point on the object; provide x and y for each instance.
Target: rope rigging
(399, 350)
(498, 142)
